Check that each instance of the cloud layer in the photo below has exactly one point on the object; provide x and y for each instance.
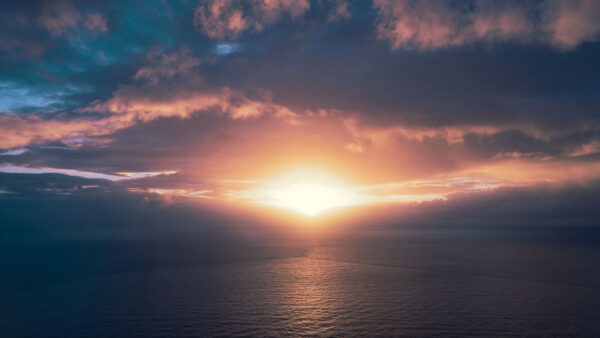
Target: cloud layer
(437, 24)
(406, 100)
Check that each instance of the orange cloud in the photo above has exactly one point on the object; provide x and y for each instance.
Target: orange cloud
(524, 172)
(132, 105)
(19, 131)
(381, 136)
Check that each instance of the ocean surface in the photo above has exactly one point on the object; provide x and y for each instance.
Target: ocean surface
(415, 282)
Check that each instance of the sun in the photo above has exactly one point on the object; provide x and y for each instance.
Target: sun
(306, 193)
(308, 198)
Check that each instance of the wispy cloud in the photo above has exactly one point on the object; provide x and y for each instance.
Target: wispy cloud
(12, 169)
(172, 195)
(227, 48)
(14, 152)
(147, 173)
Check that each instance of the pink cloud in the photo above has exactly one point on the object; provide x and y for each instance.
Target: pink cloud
(500, 25)
(428, 25)
(339, 11)
(58, 17)
(590, 148)
(96, 22)
(406, 23)
(227, 19)
(571, 23)
(167, 66)
(438, 24)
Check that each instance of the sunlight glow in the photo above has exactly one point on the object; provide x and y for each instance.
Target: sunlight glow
(306, 192)
(312, 192)
(309, 198)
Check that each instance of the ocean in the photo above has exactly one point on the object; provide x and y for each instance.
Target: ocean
(417, 282)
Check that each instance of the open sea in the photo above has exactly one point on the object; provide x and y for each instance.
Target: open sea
(413, 282)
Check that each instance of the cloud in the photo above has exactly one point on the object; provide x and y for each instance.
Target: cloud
(475, 182)
(354, 148)
(168, 87)
(428, 25)
(227, 19)
(146, 174)
(165, 66)
(422, 151)
(542, 204)
(96, 22)
(11, 169)
(339, 11)
(154, 195)
(227, 48)
(437, 24)
(20, 131)
(590, 148)
(14, 152)
(59, 17)
(132, 105)
(415, 114)
(571, 23)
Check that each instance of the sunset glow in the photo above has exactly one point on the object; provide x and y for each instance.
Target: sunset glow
(217, 168)
(307, 198)
(304, 191)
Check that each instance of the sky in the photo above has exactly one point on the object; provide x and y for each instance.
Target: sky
(400, 112)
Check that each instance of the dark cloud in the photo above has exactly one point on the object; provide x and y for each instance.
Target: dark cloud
(543, 205)
(536, 207)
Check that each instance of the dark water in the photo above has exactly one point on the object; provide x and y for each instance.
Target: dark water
(436, 282)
